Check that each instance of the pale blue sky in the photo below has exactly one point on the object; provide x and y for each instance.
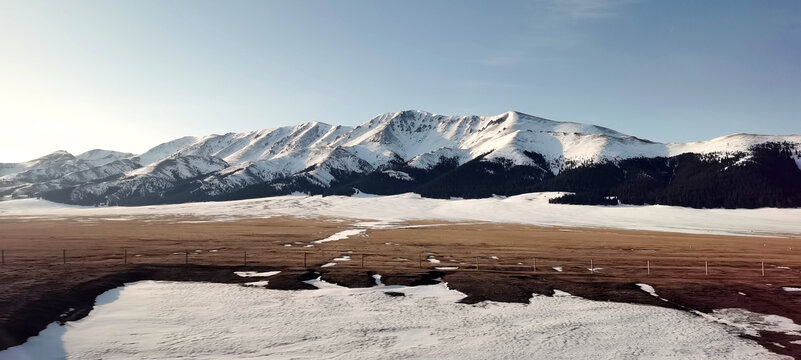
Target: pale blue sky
(127, 75)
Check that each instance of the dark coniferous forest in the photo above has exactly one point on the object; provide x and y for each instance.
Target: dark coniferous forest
(765, 176)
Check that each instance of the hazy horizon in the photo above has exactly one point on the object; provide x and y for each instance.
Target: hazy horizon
(127, 76)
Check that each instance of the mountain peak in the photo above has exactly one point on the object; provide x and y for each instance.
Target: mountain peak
(316, 155)
(58, 154)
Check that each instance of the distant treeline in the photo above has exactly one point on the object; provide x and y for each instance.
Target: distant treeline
(768, 176)
(765, 176)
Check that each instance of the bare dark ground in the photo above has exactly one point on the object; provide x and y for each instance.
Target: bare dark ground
(37, 288)
(70, 292)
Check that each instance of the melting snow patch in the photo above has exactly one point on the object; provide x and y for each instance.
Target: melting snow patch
(532, 208)
(359, 194)
(557, 268)
(398, 175)
(560, 293)
(152, 319)
(741, 293)
(783, 267)
(328, 264)
(343, 258)
(255, 274)
(446, 267)
(751, 323)
(791, 289)
(648, 288)
(377, 279)
(344, 234)
(432, 260)
(257, 283)
(494, 257)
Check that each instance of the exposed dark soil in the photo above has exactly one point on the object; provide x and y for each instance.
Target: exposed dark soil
(37, 288)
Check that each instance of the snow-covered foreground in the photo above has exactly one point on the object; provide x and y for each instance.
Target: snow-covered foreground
(525, 209)
(157, 320)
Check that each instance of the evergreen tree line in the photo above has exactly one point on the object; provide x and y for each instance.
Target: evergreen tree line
(766, 176)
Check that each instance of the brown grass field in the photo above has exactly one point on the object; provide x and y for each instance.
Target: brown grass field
(51, 265)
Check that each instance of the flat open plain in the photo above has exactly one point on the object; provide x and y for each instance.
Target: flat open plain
(52, 265)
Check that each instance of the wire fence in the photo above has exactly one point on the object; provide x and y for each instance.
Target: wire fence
(690, 266)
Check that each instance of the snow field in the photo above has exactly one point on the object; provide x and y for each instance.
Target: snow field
(156, 320)
(530, 208)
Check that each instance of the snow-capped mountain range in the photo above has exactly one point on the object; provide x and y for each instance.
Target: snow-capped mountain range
(315, 156)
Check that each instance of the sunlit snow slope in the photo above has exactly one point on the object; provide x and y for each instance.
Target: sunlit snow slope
(397, 152)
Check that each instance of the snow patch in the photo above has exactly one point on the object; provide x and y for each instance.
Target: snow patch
(151, 319)
(255, 274)
(751, 323)
(532, 209)
(400, 175)
(359, 194)
(344, 234)
(648, 288)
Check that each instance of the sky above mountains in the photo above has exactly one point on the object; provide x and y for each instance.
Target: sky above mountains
(129, 75)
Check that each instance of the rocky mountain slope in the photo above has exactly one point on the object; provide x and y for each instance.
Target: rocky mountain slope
(434, 155)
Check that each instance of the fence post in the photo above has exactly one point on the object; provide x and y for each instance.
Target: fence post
(245, 257)
(535, 263)
(706, 267)
(763, 268)
(186, 261)
(304, 259)
(648, 266)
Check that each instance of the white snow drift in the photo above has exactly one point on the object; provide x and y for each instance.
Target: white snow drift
(157, 320)
(525, 209)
